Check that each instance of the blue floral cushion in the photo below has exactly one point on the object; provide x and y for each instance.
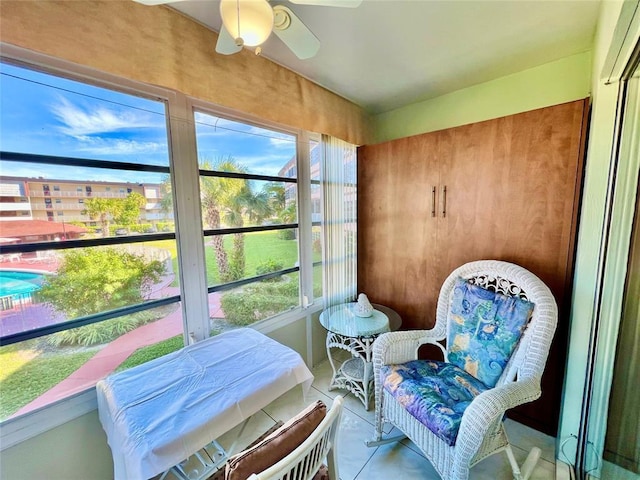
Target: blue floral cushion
(484, 329)
(435, 393)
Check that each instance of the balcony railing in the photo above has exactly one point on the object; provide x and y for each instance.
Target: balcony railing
(58, 206)
(71, 194)
(15, 207)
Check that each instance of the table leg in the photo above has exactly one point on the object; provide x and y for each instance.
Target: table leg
(332, 384)
(206, 461)
(366, 382)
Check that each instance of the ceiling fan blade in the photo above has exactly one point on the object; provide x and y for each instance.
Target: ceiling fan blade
(226, 44)
(295, 34)
(329, 3)
(155, 2)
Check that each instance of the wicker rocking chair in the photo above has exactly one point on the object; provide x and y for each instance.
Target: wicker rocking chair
(466, 426)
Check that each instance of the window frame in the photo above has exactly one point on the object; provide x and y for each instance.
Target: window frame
(184, 172)
(303, 192)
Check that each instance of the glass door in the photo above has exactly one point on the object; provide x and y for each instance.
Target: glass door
(611, 446)
(622, 442)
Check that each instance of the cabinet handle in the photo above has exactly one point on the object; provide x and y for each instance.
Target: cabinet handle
(433, 201)
(444, 201)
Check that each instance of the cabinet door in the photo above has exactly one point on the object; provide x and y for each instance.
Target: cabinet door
(396, 229)
(512, 187)
(511, 191)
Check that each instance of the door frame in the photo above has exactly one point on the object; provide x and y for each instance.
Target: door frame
(615, 275)
(593, 330)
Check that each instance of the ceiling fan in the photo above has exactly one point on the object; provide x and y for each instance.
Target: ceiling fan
(248, 23)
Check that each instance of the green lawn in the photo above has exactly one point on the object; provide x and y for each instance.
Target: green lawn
(27, 373)
(151, 352)
(258, 248)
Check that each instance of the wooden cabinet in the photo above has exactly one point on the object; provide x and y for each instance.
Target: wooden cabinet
(512, 189)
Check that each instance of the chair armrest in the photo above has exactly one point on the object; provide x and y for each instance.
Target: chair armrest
(400, 347)
(488, 407)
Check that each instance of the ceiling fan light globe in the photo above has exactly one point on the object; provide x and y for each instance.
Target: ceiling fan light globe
(255, 22)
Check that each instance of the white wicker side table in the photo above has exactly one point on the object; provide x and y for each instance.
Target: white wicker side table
(347, 331)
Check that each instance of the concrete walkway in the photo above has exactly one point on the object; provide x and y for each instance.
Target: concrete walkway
(113, 354)
(107, 360)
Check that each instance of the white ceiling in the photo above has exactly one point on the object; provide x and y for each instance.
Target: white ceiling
(389, 53)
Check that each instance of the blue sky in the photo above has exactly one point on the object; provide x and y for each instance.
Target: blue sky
(43, 114)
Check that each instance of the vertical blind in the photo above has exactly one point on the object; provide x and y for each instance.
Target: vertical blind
(339, 192)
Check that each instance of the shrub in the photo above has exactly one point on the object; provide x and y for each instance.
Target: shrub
(91, 229)
(259, 301)
(101, 332)
(288, 234)
(269, 266)
(93, 280)
(140, 227)
(317, 245)
(165, 226)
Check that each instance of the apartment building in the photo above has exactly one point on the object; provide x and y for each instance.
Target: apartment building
(57, 200)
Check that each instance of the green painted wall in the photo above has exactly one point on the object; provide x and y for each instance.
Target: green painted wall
(553, 83)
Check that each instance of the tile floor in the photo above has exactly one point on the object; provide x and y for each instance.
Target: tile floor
(359, 462)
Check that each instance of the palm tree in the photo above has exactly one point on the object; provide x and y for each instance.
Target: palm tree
(103, 210)
(230, 200)
(214, 193)
(277, 197)
(253, 206)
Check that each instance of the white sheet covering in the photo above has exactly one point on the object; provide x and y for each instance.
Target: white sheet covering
(159, 413)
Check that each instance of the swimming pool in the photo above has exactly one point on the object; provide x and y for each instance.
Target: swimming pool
(13, 282)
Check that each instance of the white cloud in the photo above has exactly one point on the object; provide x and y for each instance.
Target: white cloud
(116, 146)
(77, 121)
(283, 141)
(220, 127)
(262, 164)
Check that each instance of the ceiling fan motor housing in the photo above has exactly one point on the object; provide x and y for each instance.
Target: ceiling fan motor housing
(282, 20)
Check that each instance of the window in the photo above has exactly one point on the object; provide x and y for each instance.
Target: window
(249, 200)
(315, 154)
(254, 221)
(78, 288)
